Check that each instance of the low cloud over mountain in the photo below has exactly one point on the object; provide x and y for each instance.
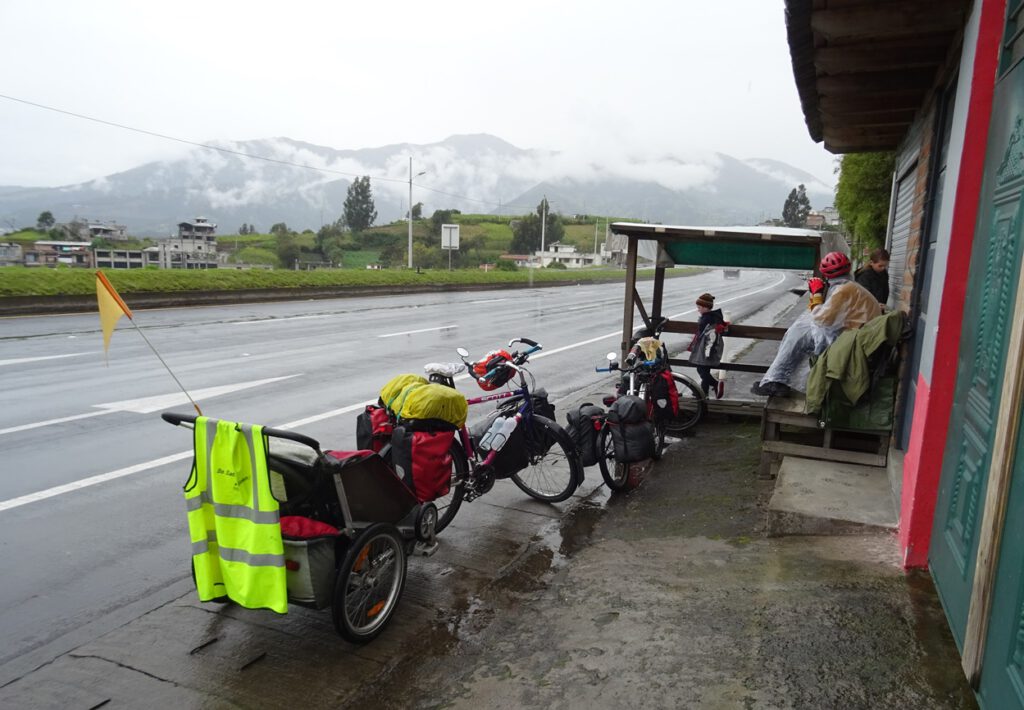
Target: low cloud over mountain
(473, 173)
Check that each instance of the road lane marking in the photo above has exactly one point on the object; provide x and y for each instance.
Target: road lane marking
(488, 300)
(91, 481)
(19, 360)
(421, 330)
(145, 466)
(279, 320)
(48, 422)
(148, 405)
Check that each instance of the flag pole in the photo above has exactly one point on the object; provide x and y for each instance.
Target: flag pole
(112, 307)
(169, 371)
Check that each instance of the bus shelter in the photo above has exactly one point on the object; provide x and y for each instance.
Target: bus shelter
(762, 248)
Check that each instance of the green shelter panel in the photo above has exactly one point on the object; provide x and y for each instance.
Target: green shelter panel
(749, 254)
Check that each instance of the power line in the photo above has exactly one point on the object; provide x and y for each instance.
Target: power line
(243, 154)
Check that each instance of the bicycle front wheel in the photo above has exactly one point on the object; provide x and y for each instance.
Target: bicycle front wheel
(554, 471)
(615, 474)
(691, 406)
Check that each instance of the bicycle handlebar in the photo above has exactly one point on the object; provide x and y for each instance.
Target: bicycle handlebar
(179, 419)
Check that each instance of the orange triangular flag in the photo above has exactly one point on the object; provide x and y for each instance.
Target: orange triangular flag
(112, 307)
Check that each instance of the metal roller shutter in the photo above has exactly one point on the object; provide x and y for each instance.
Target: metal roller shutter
(900, 234)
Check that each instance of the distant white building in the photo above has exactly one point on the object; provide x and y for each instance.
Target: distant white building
(108, 230)
(195, 247)
(567, 254)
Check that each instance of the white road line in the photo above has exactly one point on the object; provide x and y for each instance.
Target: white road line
(19, 360)
(48, 422)
(145, 466)
(91, 481)
(489, 300)
(260, 321)
(147, 405)
(421, 330)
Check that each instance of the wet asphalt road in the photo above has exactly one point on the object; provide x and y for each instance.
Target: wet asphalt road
(90, 521)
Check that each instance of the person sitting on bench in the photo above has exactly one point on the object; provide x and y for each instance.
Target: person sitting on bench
(847, 305)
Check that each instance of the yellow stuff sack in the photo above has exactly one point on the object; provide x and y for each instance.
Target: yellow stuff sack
(390, 393)
(433, 401)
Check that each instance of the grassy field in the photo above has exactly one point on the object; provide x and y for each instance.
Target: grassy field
(21, 281)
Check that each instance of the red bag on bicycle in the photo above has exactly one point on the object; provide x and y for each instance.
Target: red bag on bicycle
(373, 428)
(664, 395)
(490, 371)
(423, 460)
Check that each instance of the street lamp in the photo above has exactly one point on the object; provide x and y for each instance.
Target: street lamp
(423, 172)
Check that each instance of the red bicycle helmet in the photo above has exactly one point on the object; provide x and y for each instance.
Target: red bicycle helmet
(834, 264)
(490, 371)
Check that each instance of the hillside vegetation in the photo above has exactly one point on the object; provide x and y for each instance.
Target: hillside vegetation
(22, 281)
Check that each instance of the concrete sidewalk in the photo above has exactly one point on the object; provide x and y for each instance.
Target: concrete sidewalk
(672, 596)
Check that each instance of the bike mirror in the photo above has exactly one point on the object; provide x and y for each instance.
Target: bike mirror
(611, 356)
(462, 352)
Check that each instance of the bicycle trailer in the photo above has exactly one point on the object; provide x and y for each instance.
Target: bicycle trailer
(275, 520)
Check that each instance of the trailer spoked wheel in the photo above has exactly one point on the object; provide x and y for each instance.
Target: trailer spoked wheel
(370, 583)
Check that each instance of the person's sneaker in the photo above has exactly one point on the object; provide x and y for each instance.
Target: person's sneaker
(779, 389)
(761, 390)
(719, 389)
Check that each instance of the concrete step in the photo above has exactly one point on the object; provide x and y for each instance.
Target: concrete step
(828, 498)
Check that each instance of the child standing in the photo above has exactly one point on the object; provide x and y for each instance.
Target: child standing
(710, 319)
(875, 276)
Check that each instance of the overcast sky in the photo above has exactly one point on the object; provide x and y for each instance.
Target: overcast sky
(672, 77)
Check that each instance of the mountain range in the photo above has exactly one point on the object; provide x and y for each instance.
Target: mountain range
(261, 182)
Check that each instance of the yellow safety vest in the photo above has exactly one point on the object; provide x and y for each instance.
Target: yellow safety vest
(233, 518)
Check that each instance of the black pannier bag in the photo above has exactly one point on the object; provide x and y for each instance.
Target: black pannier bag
(583, 423)
(421, 456)
(374, 426)
(632, 433)
(513, 456)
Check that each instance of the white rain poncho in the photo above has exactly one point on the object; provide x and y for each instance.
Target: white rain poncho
(847, 305)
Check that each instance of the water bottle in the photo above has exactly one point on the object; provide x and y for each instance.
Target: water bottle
(488, 438)
(507, 427)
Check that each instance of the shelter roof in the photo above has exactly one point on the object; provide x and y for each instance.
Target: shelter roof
(863, 68)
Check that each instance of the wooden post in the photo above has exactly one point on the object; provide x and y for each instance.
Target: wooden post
(627, 311)
(659, 290)
(999, 478)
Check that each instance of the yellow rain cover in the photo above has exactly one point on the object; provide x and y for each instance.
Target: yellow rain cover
(434, 401)
(389, 393)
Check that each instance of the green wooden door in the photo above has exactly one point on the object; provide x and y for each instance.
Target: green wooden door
(995, 261)
(1002, 671)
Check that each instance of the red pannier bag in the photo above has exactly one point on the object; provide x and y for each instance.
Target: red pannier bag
(374, 427)
(421, 455)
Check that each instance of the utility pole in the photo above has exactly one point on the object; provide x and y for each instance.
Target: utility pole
(424, 172)
(543, 224)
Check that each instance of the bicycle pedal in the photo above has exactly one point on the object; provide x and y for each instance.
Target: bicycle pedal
(426, 549)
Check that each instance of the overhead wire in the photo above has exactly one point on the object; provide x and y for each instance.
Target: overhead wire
(252, 156)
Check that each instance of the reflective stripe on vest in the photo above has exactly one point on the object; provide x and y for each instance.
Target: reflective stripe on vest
(234, 521)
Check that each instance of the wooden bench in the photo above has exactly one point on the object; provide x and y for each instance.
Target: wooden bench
(787, 431)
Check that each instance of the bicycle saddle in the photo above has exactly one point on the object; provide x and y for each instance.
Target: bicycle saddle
(448, 369)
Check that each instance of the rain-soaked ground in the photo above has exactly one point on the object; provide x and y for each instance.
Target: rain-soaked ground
(671, 596)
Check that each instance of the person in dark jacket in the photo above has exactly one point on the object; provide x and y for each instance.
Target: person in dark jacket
(710, 317)
(875, 275)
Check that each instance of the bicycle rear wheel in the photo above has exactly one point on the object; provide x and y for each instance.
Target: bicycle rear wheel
(554, 471)
(691, 406)
(448, 505)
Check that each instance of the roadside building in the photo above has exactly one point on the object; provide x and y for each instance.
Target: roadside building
(110, 231)
(940, 82)
(52, 253)
(568, 255)
(195, 247)
(11, 254)
(815, 220)
(126, 258)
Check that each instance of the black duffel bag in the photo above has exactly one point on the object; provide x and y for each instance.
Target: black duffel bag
(584, 423)
(632, 433)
